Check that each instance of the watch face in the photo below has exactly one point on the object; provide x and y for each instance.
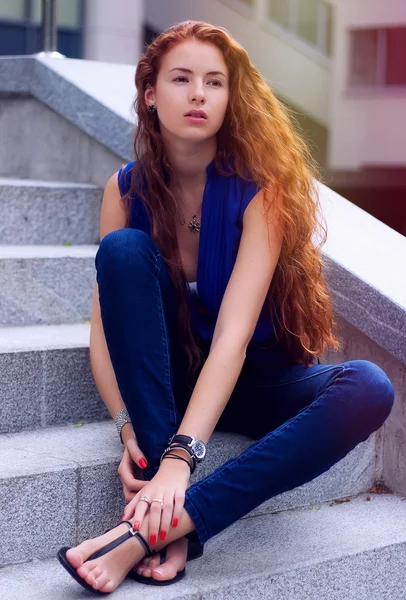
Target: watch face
(199, 449)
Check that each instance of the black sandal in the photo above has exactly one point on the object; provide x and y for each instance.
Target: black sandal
(194, 550)
(130, 533)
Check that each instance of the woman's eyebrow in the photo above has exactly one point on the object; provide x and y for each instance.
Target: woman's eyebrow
(189, 71)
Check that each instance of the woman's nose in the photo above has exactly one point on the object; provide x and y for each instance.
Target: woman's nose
(198, 94)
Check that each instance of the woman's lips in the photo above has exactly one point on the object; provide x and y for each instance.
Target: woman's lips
(195, 119)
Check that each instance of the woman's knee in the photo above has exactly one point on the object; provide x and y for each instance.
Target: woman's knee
(375, 387)
(125, 246)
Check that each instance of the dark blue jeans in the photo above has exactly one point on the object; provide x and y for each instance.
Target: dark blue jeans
(302, 420)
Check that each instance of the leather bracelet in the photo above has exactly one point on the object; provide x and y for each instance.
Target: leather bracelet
(178, 458)
(188, 451)
(181, 447)
(192, 466)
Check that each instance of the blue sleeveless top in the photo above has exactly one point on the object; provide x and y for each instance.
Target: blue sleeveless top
(225, 199)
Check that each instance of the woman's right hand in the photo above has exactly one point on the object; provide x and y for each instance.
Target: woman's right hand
(133, 459)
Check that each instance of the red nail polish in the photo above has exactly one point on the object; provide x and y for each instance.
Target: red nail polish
(143, 463)
(162, 536)
(152, 540)
(136, 525)
(175, 522)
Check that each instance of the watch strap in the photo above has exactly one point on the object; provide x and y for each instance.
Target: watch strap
(182, 439)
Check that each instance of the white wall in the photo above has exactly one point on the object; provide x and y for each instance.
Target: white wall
(113, 30)
(367, 128)
(299, 76)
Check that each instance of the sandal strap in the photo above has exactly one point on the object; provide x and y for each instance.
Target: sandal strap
(129, 534)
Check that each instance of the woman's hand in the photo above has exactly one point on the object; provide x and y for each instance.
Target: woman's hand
(132, 458)
(169, 485)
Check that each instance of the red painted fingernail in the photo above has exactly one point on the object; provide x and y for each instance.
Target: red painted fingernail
(143, 463)
(162, 536)
(152, 540)
(136, 525)
(175, 522)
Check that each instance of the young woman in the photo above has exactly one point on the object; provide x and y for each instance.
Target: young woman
(211, 310)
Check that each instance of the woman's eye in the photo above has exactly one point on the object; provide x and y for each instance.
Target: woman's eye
(183, 78)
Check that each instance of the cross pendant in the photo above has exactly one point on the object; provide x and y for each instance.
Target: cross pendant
(194, 225)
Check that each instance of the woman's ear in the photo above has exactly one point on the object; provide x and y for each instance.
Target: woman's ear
(149, 95)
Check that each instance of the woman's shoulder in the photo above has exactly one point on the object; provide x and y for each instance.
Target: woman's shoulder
(124, 177)
(243, 189)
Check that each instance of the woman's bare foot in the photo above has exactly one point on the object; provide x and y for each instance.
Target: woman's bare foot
(176, 553)
(108, 571)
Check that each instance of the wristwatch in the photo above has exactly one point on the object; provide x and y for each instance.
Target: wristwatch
(197, 448)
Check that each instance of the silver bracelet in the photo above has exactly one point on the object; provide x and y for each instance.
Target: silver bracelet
(121, 419)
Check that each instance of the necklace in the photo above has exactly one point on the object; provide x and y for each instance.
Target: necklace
(194, 224)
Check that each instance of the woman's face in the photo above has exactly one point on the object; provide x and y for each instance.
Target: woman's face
(192, 76)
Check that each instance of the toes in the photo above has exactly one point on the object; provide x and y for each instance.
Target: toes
(89, 569)
(165, 571)
(98, 578)
(175, 561)
(74, 558)
(154, 561)
(145, 561)
(83, 570)
(101, 582)
(90, 578)
(145, 567)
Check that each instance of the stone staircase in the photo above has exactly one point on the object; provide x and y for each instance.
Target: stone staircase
(59, 450)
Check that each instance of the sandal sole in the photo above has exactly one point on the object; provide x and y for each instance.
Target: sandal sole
(152, 581)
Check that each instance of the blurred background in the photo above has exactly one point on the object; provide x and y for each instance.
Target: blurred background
(339, 64)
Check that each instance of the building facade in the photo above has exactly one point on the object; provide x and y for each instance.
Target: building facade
(340, 65)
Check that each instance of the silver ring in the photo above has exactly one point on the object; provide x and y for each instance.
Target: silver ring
(145, 500)
(157, 500)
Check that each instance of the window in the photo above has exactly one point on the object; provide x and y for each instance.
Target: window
(279, 12)
(245, 7)
(395, 64)
(149, 34)
(20, 27)
(308, 20)
(69, 12)
(377, 57)
(12, 10)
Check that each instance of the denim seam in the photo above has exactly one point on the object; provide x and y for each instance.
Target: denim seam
(196, 518)
(263, 440)
(320, 372)
(166, 346)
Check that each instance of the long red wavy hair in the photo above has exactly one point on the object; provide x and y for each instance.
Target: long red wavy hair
(261, 135)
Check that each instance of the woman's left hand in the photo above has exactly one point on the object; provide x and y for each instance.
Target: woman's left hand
(169, 485)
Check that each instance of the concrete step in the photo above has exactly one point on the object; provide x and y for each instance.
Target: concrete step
(46, 284)
(355, 550)
(60, 485)
(44, 212)
(45, 377)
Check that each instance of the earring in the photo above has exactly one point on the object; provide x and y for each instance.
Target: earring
(152, 108)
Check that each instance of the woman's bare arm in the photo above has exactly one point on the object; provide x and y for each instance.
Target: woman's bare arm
(112, 218)
(243, 300)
